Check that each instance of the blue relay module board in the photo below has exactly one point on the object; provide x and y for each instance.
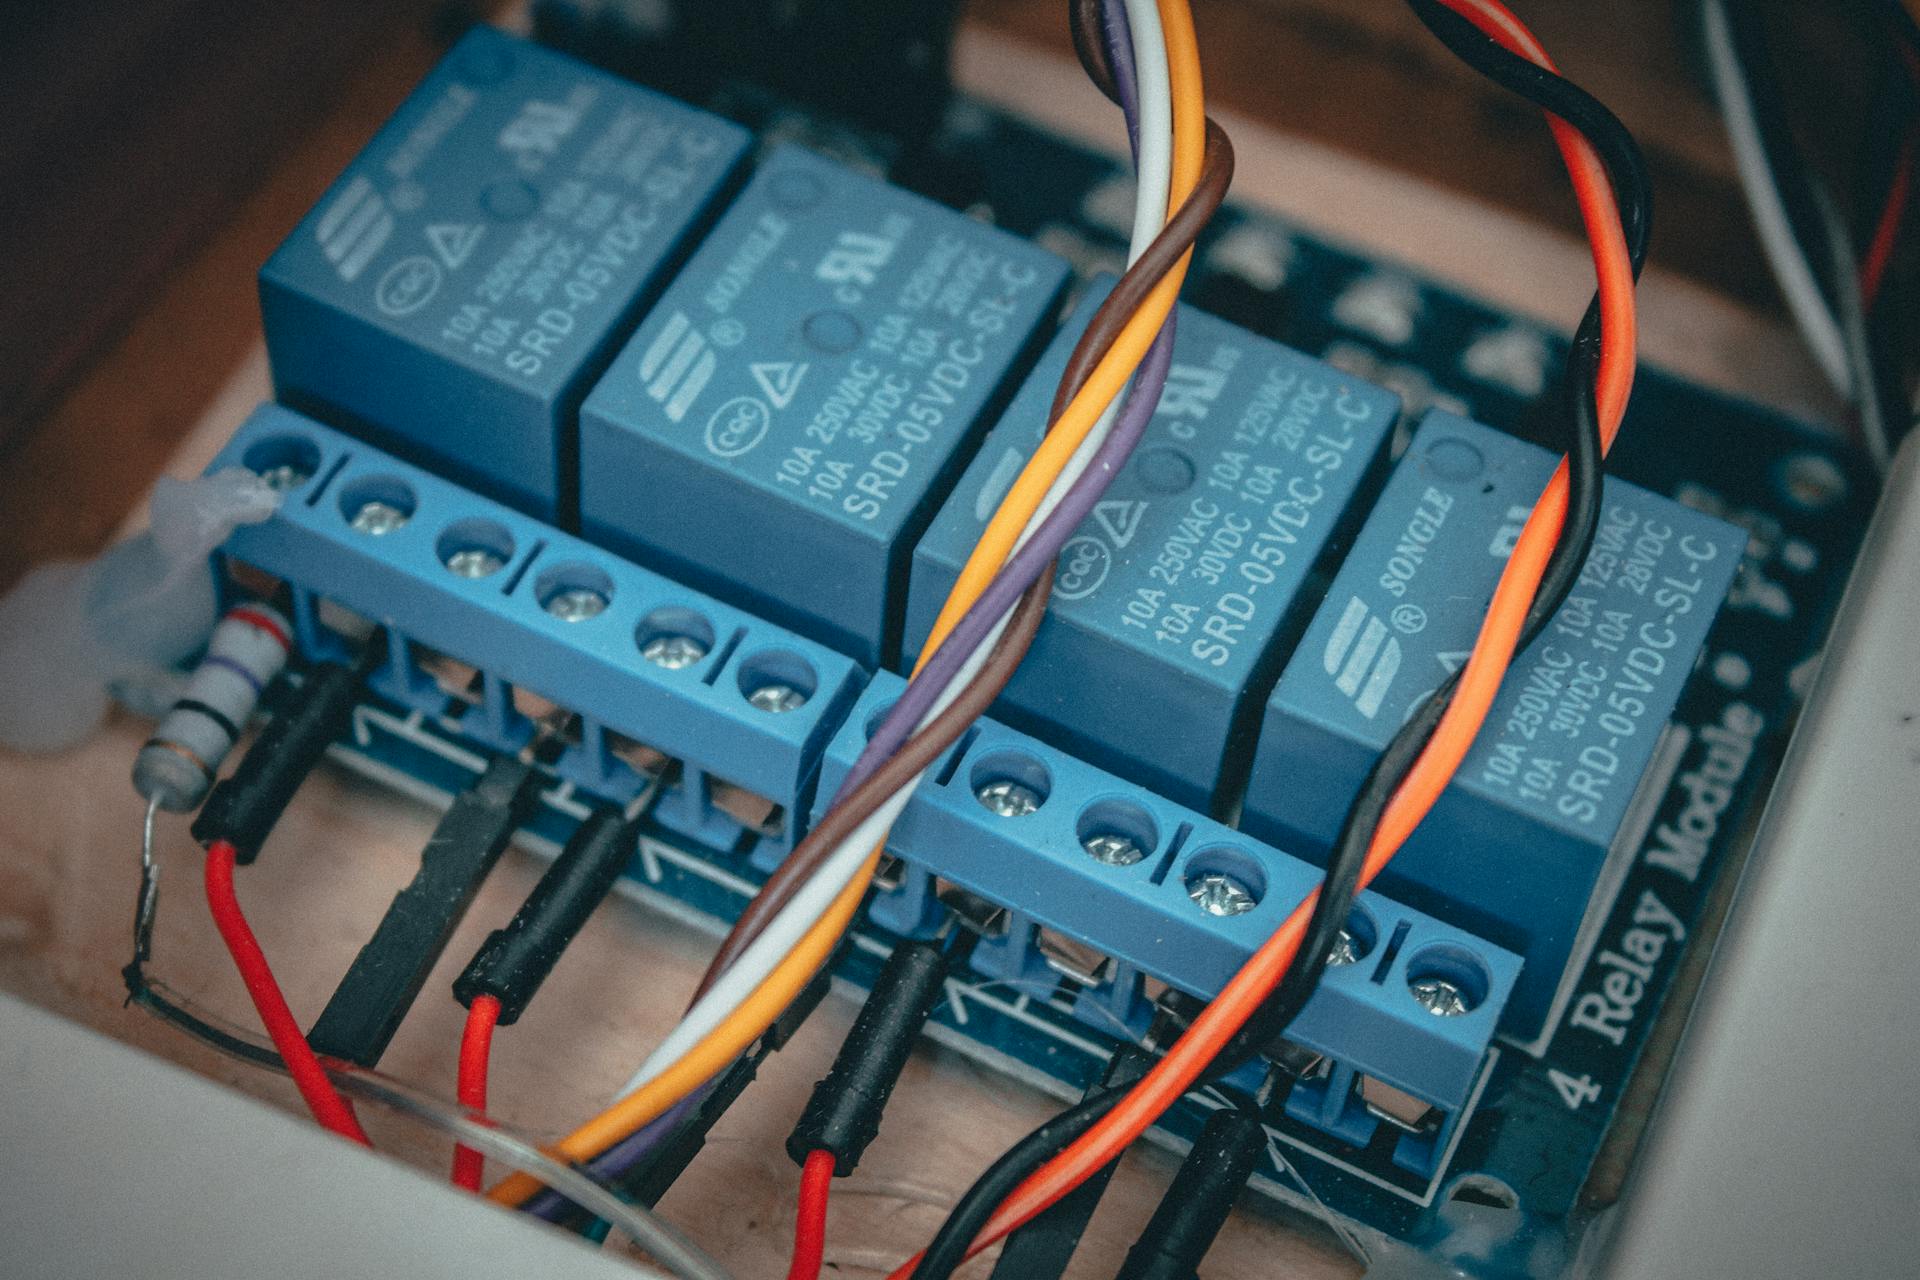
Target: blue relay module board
(457, 288)
(780, 428)
(1171, 605)
(1516, 848)
(495, 625)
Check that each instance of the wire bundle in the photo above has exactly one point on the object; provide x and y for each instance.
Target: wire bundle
(1143, 54)
(791, 928)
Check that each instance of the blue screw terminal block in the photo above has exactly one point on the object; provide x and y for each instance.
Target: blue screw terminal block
(1515, 848)
(1126, 877)
(1174, 604)
(506, 623)
(788, 417)
(456, 290)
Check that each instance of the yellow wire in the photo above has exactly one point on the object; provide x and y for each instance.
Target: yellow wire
(777, 990)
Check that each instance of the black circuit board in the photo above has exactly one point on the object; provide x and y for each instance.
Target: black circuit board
(1507, 1200)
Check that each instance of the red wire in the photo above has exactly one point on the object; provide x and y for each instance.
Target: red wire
(328, 1107)
(476, 1044)
(1873, 266)
(810, 1223)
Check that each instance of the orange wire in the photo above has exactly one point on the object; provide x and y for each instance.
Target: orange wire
(328, 1107)
(810, 1220)
(1480, 679)
(476, 1046)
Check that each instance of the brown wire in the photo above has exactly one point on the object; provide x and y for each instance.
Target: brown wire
(923, 748)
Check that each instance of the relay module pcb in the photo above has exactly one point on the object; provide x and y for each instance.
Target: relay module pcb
(619, 430)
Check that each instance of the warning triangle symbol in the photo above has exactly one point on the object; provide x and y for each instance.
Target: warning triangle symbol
(780, 379)
(1454, 659)
(1120, 518)
(454, 241)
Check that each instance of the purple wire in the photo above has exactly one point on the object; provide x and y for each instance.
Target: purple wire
(1027, 563)
(1020, 572)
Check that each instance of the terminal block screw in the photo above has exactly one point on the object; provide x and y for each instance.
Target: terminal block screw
(1439, 997)
(285, 477)
(1113, 849)
(576, 604)
(1220, 894)
(777, 697)
(675, 652)
(474, 562)
(1346, 949)
(377, 519)
(1008, 798)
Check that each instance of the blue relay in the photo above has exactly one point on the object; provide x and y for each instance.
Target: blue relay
(788, 416)
(457, 288)
(1172, 604)
(1515, 848)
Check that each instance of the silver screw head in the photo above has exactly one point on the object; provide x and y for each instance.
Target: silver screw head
(1439, 997)
(777, 697)
(1346, 949)
(284, 477)
(576, 604)
(1219, 894)
(674, 652)
(474, 562)
(376, 519)
(1113, 849)
(1008, 798)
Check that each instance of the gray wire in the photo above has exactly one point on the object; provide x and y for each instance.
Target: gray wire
(1819, 327)
(1852, 309)
(653, 1234)
(149, 901)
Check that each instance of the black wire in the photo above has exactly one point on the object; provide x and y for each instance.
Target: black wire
(1626, 168)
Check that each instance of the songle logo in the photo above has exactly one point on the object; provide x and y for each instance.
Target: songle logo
(1362, 658)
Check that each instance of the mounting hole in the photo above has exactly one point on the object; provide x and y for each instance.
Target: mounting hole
(1447, 980)
(674, 637)
(1811, 481)
(1011, 784)
(283, 462)
(1454, 460)
(777, 681)
(1117, 833)
(377, 505)
(1225, 881)
(574, 591)
(475, 548)
(1485, 1190)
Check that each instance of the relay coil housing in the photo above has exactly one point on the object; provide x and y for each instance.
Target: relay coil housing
(788, 416)
(1173, 604)
(1516, 847)
(457, 288)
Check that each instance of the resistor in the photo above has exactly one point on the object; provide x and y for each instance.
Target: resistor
(177, 764)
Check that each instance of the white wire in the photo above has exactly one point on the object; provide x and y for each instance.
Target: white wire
(810, 902)
(1818, 325)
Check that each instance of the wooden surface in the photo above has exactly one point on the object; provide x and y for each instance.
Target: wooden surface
(189, 367)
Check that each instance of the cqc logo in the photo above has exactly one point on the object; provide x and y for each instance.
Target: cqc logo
(354, 228)
(1084, 565)
(1362, 658)
(676, 367)
(737, 426)
(408, 285)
